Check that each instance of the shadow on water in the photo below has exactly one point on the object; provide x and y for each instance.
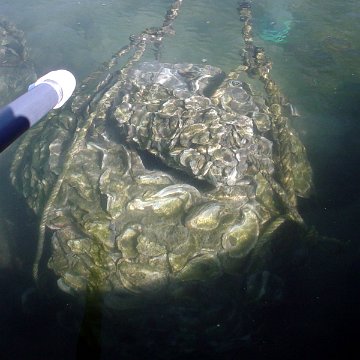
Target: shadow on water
(336, 173)
(308, 310)
(316, 317)
(344, 171)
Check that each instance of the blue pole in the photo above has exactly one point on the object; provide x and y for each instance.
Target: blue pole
(49, 92)
(24, 112)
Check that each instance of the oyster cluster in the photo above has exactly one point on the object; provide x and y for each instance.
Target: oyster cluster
(173, 117)
(121, 222)
(16, 71)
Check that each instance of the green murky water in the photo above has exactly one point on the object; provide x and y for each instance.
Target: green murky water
(315, 49)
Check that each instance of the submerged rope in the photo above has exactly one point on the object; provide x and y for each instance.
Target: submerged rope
(257, 64)
(140, 44)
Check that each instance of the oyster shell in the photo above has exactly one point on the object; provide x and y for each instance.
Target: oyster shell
(119, 224)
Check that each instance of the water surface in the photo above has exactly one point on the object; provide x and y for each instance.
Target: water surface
(316, 64)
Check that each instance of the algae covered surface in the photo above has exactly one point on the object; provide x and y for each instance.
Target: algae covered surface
(297, 301)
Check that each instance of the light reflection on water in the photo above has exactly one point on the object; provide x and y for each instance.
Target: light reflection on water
(317, 68)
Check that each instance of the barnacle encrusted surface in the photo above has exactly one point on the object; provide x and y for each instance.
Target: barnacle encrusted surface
(120, 226)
